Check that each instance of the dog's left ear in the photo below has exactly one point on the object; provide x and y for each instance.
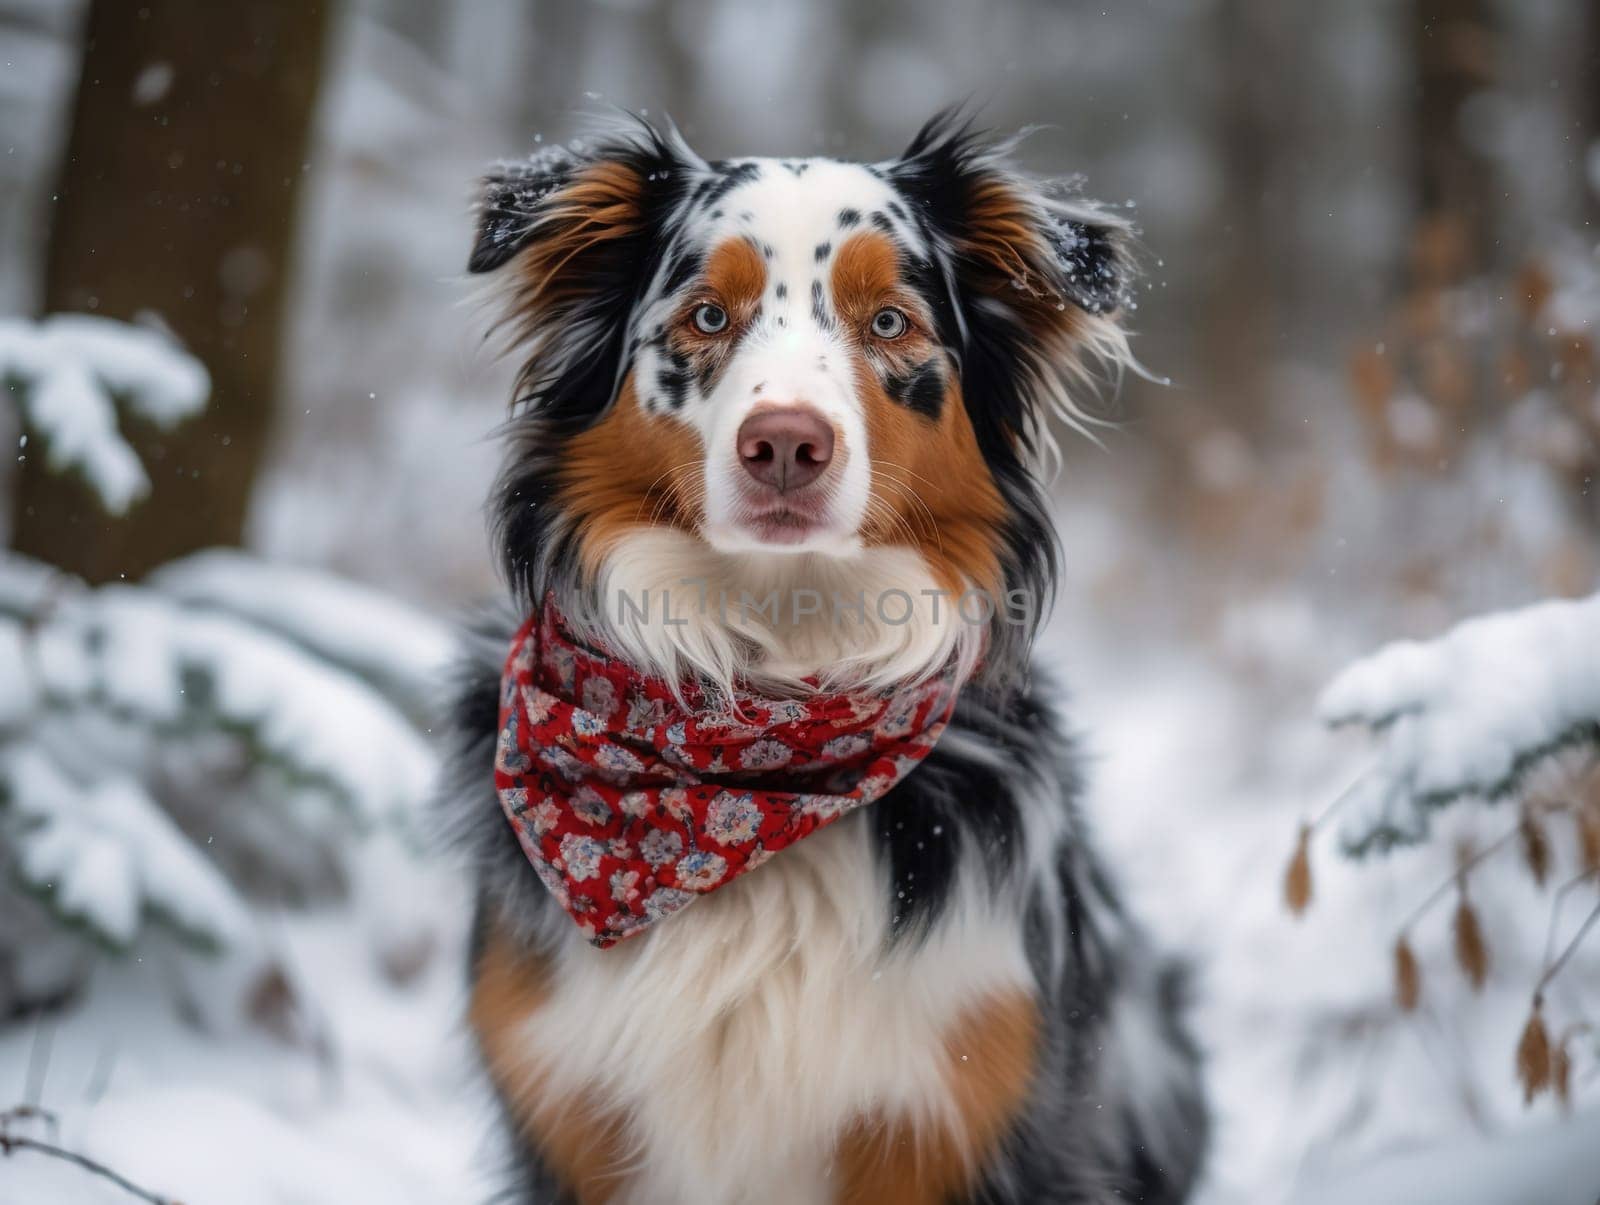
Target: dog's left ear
(1035, 248)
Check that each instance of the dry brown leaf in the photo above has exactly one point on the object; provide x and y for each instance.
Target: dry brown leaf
(1407, 976)
(1372, 380)
(1561, 1075)
(1535, 845)
(1471, 951)
(1297, 879)
(1533, 1055)
(1589, 836)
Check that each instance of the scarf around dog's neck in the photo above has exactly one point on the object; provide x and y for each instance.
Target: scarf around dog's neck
(630, 803)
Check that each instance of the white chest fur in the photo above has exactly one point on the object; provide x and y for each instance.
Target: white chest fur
(742, 1036)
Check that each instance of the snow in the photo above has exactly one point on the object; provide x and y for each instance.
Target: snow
(165, 666)
(71, 370)
(25, 584)
(1204, 753)
(17, 695)
(160, 756)
(77, 423)
(227, 1110)
(107, 855)
(1313, 1073)
(1472, 712)
(1553, 1165)
(377, 637)
(164, 750)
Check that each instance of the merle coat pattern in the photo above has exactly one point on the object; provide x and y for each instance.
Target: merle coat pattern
(1014, 284)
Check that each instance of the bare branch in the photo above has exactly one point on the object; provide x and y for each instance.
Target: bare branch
(1453, 882)
(10, 1143)
(1554, 968)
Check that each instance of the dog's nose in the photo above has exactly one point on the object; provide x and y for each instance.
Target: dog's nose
(785, 448)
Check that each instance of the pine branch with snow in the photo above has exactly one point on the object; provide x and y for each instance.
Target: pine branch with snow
(400, 652)
(1471, 714)
(69, 375)
(1501, 710)
(176, 671)
(163, 758)
(107, 859)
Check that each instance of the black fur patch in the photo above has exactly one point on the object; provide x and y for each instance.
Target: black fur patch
(950, 807)
(512, 196)
(683, 267)
(728, 177)
(674, 380)
(1091, 261)
(819, 306)
(922, 389)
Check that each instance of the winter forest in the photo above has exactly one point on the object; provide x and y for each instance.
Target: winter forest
(1329, 616)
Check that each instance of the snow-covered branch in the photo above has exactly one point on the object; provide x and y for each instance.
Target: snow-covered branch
(70, 372)
(1472, 713)
(11, 1142)
(381, 640)
(105, 856)
(151, 661)
(166, 749)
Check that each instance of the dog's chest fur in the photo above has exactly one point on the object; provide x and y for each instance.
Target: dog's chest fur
(766, 1038)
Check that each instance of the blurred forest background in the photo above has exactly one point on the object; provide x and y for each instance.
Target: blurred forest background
(1369, 235)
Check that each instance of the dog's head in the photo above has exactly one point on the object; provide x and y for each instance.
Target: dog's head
(824, 363)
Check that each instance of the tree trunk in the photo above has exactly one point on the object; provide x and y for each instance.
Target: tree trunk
(1454, 50)
(177, 199)
(1589, 147)
(1243, 319)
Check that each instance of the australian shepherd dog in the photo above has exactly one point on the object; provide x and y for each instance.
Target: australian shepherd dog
(799, 381)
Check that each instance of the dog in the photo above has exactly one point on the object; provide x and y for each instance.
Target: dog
(793, 380)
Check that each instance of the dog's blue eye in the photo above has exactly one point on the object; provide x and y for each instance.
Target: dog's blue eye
(710, 319)
(888, 323)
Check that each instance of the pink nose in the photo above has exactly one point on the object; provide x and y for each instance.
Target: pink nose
(785, 448)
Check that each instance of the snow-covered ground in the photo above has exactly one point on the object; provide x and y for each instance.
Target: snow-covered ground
(353, 1084)
(1316, 1076)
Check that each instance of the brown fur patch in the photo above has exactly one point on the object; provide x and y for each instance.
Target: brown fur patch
(631, 469)
(1003, 241)
(930, 485)
(866, 276)
(734, 277)
(554, 274)
(603, 202)
(989, 1063)
(582, 1144)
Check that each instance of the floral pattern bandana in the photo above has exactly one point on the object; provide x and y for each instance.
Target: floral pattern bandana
(630, 804)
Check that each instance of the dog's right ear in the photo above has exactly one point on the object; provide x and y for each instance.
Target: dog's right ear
(577, 231)
(512, 196)
(564, 203)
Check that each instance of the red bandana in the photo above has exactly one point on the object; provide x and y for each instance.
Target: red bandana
(629, 804)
